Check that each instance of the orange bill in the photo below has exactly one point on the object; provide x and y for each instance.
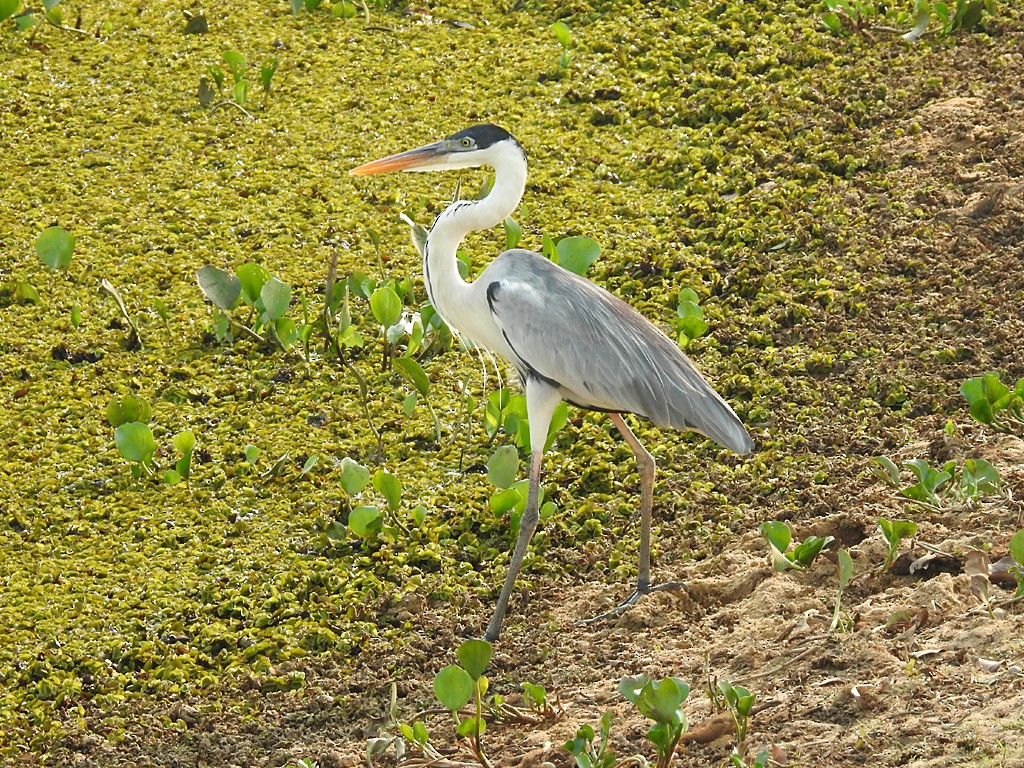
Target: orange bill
(410, 160)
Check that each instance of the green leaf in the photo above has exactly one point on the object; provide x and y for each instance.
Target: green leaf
(361, 521)
(275, 296)
(513, 233)
(172, 477)
(354, 476)
(389, 487)
(845, 567)
(661, 700)
(453, 687)
(240, 93)
(343, 10)
(236, 63)
(135, 442)
(505, 500)
(631, 686)
(55, 246)
(386, 306)
(503, 466)
(778, 534)
(414, 372)
(220, 287)
(252, 277)
(805, 552)
(562, 34)
(1017, 547)
(972, 16)
(184, 443)
(471, 726)
(309, 464)
(833, 23)
(920, 24)
(121, 410)
(409, 404)
(251, 453)
(885, 470)
(267, 72)
(8, 8)
(535, 696)
(475, 655)
(576, 254)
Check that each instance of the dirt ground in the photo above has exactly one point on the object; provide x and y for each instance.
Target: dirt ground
(925, 674)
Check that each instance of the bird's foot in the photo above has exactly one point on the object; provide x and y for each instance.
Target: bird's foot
(629, 602)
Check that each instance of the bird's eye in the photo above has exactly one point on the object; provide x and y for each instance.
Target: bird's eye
(466, 142)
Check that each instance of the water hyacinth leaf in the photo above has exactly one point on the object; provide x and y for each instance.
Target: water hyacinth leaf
(885, 470)
(308, 465)
(409, 404)
(661, 700)
(135, 442)
(343, 10)
(172, 477)
(453, 687)
(1017, 547)
(414, 372)
(252, 277)
(631, 686)
(251, 453)
(577, 254)
(505, 500)
(845, 564)
(222, 288)
(121, 410)
(503, 466)
(354, 476)
(240, 93)
(535, 696)
(979, 477)
(8, 8)
(55, 246)
(389, 486)
(562, 33)
(288, 332)
(236, 63)
(471, 726)
(267, 72)
(806, 551)
(364, 520)
(475, 655)
(184, 443)
(386, 306)
(275, 296)
(513, 233)
(778, 534)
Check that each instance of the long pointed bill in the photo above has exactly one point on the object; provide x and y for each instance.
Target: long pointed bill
(425, 158)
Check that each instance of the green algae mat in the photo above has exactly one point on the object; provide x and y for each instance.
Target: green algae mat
(734, 149)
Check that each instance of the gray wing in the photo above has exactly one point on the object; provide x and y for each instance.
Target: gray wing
(598, 351)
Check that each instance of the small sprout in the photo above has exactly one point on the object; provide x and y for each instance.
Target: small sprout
(845, 566)
(184, 443)
(948, 487)
(390, 487)
(121, 410)
(894, 531)
(513, 233)
(135, 443)
(1017, 553)
(802, 555)
(308, 465)
(109, 288)
(589, 751)
(364, 520)
(740, 703)
(267, 72)
(661, 701)
(414, 372)
(564, 37)
(993, 403)
(689, 322)
(55, 247)
(251, 453)
(457, 684)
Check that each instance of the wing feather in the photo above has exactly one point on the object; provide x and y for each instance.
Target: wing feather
(600, 352)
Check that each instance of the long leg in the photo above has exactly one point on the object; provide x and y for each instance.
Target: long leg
(645, 467)
(541, 402)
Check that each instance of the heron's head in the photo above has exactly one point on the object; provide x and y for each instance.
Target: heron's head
(480, 145)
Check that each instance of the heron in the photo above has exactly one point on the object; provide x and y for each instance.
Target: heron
(567, 338)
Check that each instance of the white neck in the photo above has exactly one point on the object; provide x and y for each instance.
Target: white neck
(445, 287)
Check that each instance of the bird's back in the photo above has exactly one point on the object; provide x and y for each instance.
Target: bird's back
(598, 351)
